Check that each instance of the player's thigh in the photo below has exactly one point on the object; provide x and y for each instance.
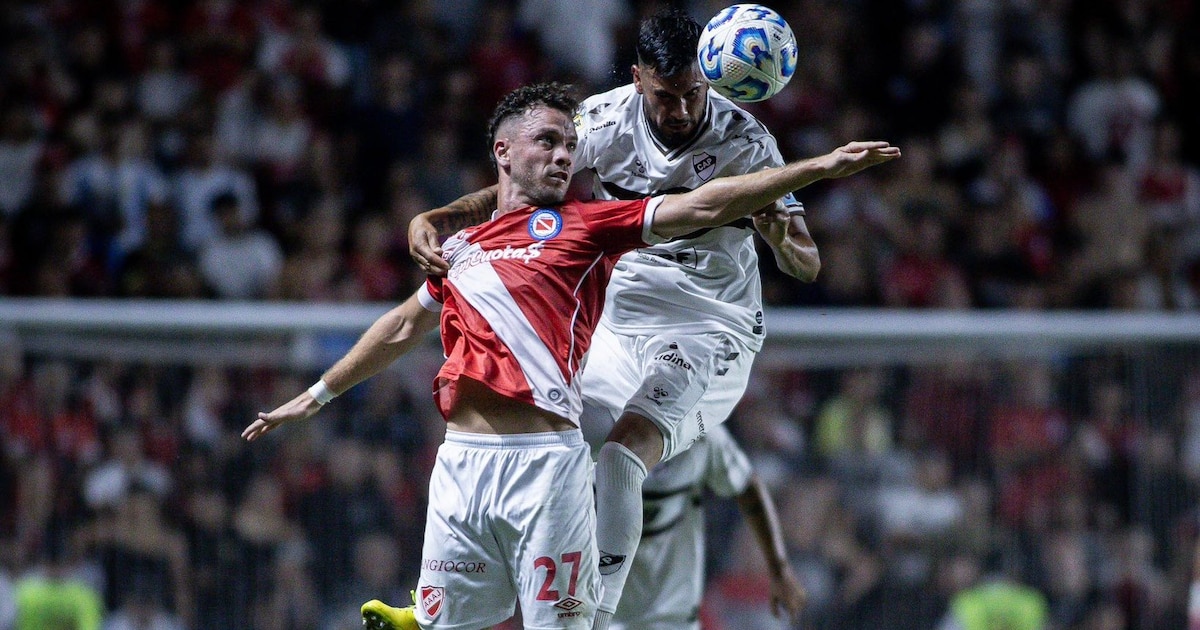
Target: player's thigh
(690, 382)
(465, 581)
(611, 376)
(553, 544)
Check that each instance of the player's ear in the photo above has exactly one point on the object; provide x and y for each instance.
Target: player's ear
(637, 77)
(500, 150)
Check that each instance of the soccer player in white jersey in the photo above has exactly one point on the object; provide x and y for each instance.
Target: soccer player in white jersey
(666, 578)
(693, 301)
(511, 515)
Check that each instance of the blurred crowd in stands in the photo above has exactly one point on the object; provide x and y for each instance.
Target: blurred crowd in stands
(1057, 492)
(275, 149)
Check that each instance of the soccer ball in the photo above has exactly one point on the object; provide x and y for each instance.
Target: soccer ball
(747, 52)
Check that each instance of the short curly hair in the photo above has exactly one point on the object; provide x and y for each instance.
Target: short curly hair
(519, 101)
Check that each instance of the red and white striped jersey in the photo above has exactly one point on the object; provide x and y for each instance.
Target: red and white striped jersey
(523, 296)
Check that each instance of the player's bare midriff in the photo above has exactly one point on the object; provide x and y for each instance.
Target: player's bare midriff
(478, 409)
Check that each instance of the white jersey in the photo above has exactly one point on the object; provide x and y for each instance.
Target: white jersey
(666, 580)
(702, 283)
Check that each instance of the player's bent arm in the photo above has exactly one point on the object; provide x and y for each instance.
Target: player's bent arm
(759, 511)
(393, 334)
(794, 249)
(425, 229)
(722, 200)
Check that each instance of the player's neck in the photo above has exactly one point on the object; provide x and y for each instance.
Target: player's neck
(511, 197)
(508, 198)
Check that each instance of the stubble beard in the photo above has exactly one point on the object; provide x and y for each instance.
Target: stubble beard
(538, 193)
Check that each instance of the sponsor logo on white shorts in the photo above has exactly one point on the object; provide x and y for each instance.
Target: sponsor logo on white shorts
(454, 566)
(673, 358)
(568, 607)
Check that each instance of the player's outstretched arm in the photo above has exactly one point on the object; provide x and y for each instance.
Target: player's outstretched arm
(787, 595)
(722, 200)
(424, 229)
(393, 334)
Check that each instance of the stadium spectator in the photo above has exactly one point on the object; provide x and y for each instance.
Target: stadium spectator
(141, 610)
(54, 596)
(112, 480)
(139, 550)
(348, 505)
(240, 261)
(316, 271)
(21, 151)
(160, 267)
(590, 59)
(207, 176)
(853, 424)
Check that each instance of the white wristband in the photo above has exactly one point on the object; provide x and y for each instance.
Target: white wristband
(321, 392)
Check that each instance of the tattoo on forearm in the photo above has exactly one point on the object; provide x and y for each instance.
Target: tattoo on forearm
(468, 210)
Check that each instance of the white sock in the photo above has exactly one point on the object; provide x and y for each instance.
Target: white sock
(619, 477)
(602, 620)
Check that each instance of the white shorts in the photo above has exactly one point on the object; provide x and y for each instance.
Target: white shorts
(511, 517)
(682, 383)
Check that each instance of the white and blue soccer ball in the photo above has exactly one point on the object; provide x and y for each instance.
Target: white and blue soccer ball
(747, 52)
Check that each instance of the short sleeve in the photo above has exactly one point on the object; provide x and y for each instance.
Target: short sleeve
(430, 295)
(728, 469)
(620, 226)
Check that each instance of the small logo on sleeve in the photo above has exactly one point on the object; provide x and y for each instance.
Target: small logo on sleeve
(610, 563)
(545, 224)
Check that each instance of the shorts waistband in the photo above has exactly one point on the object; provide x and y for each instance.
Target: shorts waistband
(574, 437)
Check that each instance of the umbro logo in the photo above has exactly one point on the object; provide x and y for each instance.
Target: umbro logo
(569, 603)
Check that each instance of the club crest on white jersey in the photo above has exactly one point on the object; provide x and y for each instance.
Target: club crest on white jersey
(704, 164)
(714, 272)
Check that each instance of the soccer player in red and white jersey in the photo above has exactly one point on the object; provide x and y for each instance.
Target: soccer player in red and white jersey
(511, 515)
(695, 299)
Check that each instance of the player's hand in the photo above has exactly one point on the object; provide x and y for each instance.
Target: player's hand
(787, 595)
(772, 223)
(857, 156)
(299, 408)
(424, 248)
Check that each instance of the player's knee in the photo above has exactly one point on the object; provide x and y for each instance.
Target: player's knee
(640, 435)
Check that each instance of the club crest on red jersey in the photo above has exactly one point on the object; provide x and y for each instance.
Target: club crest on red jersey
(432, 598)
(545, 224)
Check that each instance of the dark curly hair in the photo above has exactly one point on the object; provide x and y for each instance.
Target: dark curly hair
(667, 42)
(517, 102)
